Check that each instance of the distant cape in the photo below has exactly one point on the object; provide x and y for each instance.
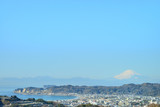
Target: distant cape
(145, 89)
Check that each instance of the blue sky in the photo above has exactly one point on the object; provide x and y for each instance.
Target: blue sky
(96, 39)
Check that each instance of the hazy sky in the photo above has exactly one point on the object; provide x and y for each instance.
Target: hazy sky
(97, 39)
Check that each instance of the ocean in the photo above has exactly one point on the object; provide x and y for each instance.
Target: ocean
(8, 91)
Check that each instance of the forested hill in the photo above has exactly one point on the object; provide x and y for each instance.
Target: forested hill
(146, 89)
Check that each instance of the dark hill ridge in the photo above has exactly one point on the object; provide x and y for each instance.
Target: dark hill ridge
(146, 89)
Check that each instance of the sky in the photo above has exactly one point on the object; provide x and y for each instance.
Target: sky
(97, 39)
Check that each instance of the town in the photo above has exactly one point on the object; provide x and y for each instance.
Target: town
(112, 100)
(85, 100)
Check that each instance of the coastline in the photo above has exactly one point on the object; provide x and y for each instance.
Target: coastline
(95, 99)
(9, 91)
(59, 96)
(75, 96)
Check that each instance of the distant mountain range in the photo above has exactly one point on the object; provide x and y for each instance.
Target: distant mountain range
(40, 81)
(145, 89)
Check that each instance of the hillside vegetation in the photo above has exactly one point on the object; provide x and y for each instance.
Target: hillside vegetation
(146, 89)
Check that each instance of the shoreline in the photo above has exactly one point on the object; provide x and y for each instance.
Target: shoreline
(52, 94)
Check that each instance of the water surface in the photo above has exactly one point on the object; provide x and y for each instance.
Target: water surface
(9, 92)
